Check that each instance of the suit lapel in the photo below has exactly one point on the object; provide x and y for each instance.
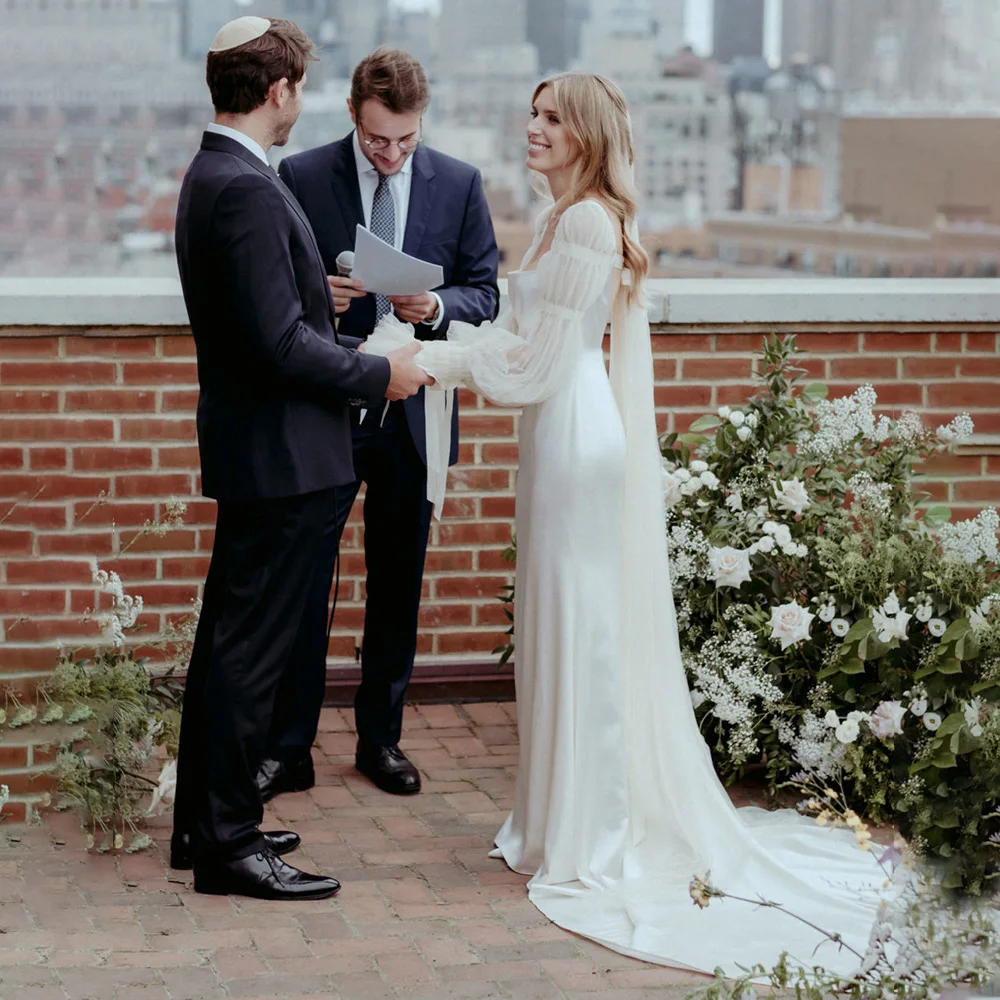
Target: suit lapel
(421, 200)
(346, 190)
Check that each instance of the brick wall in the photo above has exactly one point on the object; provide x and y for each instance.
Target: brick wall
(91, 410)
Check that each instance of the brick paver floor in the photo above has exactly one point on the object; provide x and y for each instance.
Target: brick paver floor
(424, 914)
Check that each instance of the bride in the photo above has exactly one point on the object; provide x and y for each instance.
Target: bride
(617, 804)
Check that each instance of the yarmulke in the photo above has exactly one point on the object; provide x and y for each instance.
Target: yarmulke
(239, 32)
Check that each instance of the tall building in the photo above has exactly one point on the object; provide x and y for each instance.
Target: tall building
(668, 24)
(807, 31)
(738, 29)
(548, 28)
(469, 25)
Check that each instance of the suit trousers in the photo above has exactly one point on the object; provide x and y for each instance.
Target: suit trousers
(397, 517)
(263, 560)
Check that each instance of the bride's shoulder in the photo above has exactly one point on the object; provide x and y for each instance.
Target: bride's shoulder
(592, 219)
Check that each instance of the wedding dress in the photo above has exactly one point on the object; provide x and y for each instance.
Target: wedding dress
(617, 804)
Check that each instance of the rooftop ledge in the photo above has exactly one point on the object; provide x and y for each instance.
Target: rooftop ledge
(675, 302)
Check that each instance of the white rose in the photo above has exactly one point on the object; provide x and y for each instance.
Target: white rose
(791, 496)
(710, 479)
(889, 628)
(848, 731)
(697, 699)
(918, 706)
(744, 433)
(840, 627)
(737, 419)
(782, 535)
(698, 465)
(730, 567)
(832, 719)
(887, 719)
(692, 486)
(891, 604)
(753, 419)
(682, 475)
(827, 613)
(724, 412)
(766, 544)
(790, 624)
(937, 627)
(734, 501)
(671, 492)
(802, 550)
(932, 721)
(923, 613)
(769, 527)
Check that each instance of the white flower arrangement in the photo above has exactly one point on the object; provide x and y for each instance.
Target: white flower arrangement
(730, 567)
(790, 624)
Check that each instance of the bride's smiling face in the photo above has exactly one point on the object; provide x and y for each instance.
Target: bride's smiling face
(550, 145)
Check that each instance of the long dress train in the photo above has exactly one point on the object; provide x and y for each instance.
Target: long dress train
(617, 804)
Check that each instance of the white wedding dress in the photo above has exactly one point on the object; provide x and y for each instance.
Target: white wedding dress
(617, 804)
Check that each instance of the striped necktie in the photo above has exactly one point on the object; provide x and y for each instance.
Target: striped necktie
(383, 225)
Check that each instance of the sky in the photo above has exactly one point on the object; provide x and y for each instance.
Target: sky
(699, 23)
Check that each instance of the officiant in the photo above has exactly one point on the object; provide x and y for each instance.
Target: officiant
(430, 206)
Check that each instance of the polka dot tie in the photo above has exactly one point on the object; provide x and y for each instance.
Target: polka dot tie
(383, 225)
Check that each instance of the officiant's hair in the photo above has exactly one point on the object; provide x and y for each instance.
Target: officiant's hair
(239, 78)
(595, 113)
(392, 77)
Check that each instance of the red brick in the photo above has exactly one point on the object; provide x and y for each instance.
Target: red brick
(28, 401)
(16, 658)
(55, 429)
(35, 515)
(979, 367)
(459, 507)
(469, 586)
(185, 567)
(665, 369)
(178, 346)
(15, 542)
(985, 343)
(492, 560)
(47, 458)
(480, 478)
(497, 507)
(163, 485)
(480, 533)
(442, 561)
(899, 393)
(682, 395)
(158, 430)
(947, 342)
(930, 367)
(75, 544)
(112, 511)
(117, 347)
(30, 347)
(466, 453)
(57, 372)
(963, 395)
(467, 400)
(48, 571)
(500, 454)
(32, 602)
(112, 401)
(160, 372)
(728, 395)
(15, 812)
(50, 486)
(11, 458)
(682, 343)
(897, 343)
(828, 343)
(980, 491)
(436, 615)
(111, 459)
(131, 567)
(491, 614)
(13, 757)
(180, 400)
(178, 457)
(29, 783)
(715, 368)
(993, 465)
(952, 465)
(864, 369)
(470, 642)
(176, 540)
(45, 629)
(487, 425)
(169, 593)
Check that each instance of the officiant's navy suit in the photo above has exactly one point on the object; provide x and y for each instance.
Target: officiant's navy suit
(447, 223)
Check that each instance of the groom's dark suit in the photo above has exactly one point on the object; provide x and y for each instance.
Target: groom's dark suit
(275, 442)
(447, 223)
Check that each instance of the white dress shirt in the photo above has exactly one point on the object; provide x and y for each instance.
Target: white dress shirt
(242, 138)
(399, 185)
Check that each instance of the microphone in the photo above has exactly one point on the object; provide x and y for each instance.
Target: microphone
(345, 263)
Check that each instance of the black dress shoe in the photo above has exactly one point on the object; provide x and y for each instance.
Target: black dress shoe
(262, 876)
(280, 842)
(277, 776)
(389, 768)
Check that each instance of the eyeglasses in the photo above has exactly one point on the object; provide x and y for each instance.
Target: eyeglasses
(378, 143)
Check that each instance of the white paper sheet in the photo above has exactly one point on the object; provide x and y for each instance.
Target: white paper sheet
(384, 269)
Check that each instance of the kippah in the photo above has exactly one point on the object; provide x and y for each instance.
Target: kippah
(239, 32)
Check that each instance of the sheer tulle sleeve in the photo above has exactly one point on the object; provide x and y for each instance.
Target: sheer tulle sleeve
(518, 367)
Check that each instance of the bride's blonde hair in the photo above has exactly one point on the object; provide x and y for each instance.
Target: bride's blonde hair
(596, 116)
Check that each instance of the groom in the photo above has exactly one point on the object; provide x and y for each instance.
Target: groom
(429, 206)
(275, 443)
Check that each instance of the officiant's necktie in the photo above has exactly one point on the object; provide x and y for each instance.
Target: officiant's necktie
(383, 225)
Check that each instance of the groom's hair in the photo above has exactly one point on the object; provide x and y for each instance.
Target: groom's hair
(393, 77)
(240, 78)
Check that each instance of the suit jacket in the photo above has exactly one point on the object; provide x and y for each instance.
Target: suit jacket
(273, 419)
(447, 223)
